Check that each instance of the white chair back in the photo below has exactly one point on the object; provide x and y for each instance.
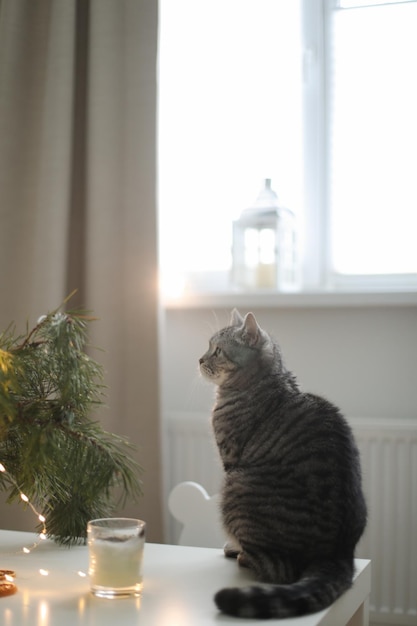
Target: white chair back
(199, 513)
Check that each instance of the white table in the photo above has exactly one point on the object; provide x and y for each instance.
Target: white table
(179, 584)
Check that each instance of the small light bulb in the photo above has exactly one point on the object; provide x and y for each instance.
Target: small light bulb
(26, 550)
(43, 572)
(2, 468)
(41, 518)
(24, 498)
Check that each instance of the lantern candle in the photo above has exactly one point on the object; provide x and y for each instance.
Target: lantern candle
(264, 245)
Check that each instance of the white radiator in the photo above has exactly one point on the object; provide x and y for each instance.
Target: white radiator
(389, 463)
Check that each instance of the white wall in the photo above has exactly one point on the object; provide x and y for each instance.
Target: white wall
(364, 359)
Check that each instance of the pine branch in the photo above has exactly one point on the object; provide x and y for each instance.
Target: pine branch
(62, 459)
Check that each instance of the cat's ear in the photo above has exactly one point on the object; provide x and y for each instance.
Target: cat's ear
(236, 319)
(251, 329)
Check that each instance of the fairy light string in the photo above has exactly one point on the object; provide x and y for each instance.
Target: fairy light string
(7, 575)
(24, 498)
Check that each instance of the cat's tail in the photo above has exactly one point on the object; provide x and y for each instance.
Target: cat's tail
(320, 585)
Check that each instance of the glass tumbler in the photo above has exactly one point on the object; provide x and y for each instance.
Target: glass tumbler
(115, 549)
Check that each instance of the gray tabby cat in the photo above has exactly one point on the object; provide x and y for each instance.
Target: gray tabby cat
(292, 501)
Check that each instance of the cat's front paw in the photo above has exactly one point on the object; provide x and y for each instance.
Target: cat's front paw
(231, 550)
(243, 560)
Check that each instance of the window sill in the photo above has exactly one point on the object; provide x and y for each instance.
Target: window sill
(302, 299)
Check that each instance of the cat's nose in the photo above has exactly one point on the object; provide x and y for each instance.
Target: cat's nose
(201, 360)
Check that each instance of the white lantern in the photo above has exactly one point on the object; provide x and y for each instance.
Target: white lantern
(264, 245)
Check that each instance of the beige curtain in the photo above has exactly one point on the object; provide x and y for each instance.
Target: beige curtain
(78, 200)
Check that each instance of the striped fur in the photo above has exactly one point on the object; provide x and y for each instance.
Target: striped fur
(292, 502)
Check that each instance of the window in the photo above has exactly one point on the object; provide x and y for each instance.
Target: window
(371, 57)
(317, 95)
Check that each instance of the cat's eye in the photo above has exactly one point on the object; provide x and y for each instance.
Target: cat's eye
(217, 351)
